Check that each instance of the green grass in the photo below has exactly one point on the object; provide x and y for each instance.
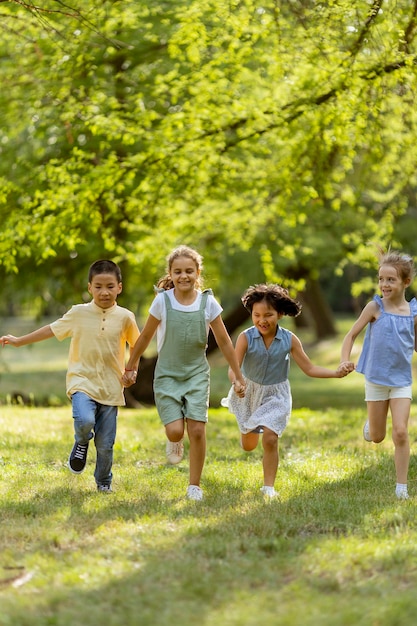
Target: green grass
(336, 549)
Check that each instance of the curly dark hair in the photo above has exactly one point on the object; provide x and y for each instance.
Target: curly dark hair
(275, 295)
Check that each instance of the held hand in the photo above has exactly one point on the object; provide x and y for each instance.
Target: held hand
(5, 339)
(129, 377)
(239, 387)
(345, 368)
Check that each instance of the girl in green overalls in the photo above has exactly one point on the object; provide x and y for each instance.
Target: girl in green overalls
(182, 315)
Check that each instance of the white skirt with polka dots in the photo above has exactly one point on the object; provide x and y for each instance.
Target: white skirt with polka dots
(263, 405)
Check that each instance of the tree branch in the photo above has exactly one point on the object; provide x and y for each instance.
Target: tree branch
(410, 29)
(36, 9)
(373, 14)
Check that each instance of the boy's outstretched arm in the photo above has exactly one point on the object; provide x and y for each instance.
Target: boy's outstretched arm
(37, 335)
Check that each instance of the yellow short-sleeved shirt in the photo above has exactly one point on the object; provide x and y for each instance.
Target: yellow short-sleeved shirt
(97, 351)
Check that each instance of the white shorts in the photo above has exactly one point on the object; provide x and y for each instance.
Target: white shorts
(373, 392)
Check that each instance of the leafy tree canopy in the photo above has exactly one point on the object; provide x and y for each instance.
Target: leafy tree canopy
(284, 131)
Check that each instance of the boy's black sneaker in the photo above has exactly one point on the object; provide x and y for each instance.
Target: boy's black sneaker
(78, 458)
(104, 488)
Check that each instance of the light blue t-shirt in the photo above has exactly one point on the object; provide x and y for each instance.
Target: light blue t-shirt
(388, 348)
(267, 366)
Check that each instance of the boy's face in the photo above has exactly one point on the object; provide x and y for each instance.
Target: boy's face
(104, 288)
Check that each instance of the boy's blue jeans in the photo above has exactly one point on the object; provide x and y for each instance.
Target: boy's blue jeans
(90, 416)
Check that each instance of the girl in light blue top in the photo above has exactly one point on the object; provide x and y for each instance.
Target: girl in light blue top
(386, 356)
(264, 352)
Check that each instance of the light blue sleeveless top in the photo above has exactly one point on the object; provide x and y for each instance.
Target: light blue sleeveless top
(388, 348)
(267, 366)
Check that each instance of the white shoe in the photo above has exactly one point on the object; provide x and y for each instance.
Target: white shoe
(269, 492)
(175, 451)
(366, 434)
(194, 492)
(402, 494)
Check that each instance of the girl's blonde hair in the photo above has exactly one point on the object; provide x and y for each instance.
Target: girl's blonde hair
(166, 282)
(403, 263)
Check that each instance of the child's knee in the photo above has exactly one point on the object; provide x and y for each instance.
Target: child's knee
(249, 441)
(84, 425)
(269, 440)
(247, 446)
(378, 437)
(196, 430)
(175, 430)
(377, 434)
(400, 436)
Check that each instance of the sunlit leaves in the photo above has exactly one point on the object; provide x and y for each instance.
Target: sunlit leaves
(286, 127)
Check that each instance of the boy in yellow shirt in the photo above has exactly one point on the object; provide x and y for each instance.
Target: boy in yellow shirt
(99, 332)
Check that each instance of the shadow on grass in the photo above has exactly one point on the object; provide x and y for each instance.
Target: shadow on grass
(245, 548)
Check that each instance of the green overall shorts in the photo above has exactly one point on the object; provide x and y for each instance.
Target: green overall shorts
(182, 373)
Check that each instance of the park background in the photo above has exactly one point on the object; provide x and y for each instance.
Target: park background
(279, 140)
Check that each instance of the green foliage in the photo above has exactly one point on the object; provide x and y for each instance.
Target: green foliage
(288, 129)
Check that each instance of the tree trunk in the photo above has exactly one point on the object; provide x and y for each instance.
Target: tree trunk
(320, 311)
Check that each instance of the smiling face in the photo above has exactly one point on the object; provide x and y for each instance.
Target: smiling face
(184, 274)
(390, 283)
(265, 318)
(104, 288)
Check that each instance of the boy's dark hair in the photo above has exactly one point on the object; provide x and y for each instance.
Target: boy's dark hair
(104, 266)
(275, 295)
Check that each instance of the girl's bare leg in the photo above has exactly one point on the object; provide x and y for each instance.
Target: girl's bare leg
(400, 411)
(175, 430)
(197, 436)
(175, 447)
(270, 457)
(377, 416)
(249, 441)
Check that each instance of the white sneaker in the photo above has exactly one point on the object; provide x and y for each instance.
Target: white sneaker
(194, 492)
(269, 492)
(402, 494)
(175, 451)
(366, 434)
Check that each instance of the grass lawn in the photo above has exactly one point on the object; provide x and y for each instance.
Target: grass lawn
(336, 549)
